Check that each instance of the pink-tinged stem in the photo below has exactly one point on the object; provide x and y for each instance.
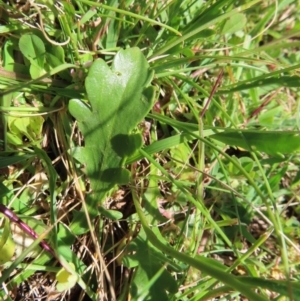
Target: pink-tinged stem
(14, 218)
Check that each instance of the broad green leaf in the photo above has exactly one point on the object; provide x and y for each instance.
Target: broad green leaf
(272, 143)
(31, 127)
(65, 279)
(79, 223)
(55, 57)
(234, 23)
(119, 98)
(65, 236)
(148, 260)
(33, 48)
(7, 245)
(36, 71)
(56, 52)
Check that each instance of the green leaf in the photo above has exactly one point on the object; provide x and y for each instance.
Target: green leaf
(79, 223)
(234, 23)
(272, 143)
(199, 263)
(65, 279)
(31, 127)
(35, 71)
(56, 53)
(55, 57)
(111, 214)
(282, 287)
(7, 245)
(65, 236)
(9, 160)
(160, 145)
(33, 48)
(149, 262)
(120, 97)
(3, 189)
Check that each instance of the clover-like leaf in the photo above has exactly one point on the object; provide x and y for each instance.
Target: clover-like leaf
(119, 98)
(33, 48)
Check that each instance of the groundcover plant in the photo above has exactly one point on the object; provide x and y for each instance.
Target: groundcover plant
(149, 150)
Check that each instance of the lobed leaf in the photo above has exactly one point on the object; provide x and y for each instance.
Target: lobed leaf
(119, 97)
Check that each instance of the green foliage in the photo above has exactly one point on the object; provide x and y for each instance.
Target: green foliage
(278, 286)
(65, 279)
(216, 198)
(30, 127)
(40, 58)
(271, 143)
(33, 49)
(234, 24)
(149, 262)
(9, 160)
(119, 98)
(7, 245)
